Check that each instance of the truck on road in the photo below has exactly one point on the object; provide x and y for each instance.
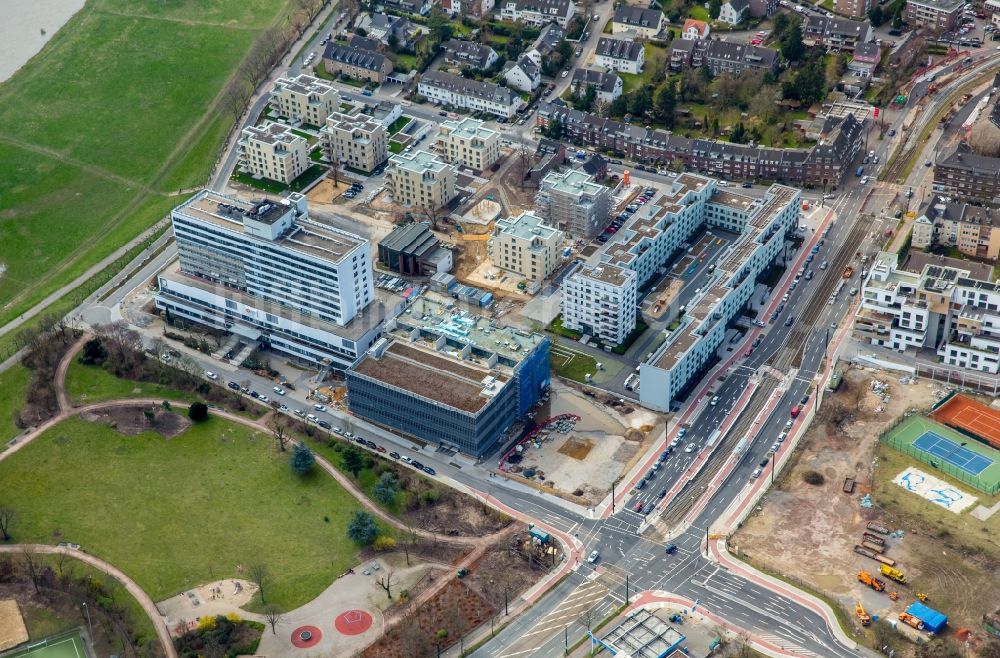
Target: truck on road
(848, 271)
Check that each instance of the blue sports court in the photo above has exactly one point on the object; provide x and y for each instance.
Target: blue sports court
(954, 453)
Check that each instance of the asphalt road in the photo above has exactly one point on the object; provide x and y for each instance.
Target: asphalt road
(624, 553)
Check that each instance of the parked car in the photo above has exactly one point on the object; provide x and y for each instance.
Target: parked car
(325, 425)
(394, 455)
(670, 549)
(429, 471)
(234, 386)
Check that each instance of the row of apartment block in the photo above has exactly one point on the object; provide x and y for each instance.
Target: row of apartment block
(940, 308)
(822, 165)
(658, 233)
(973, 230)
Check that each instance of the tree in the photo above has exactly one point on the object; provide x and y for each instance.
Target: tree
(278, 430)
(792, 47)
(601, 108)
(7, 517)
(272, 615)
(897, 18)
(440, 636)
(386, 488)
(354, 461)
(876, 16)
(739, 134)
(666, 103)
(198, 412)
(93, 352)
(362, 529)
(714, 9)
(393, 41)
(150, 415)
(642, 102)
(586, 102)
(32, 566)
(554, 129)
(260, 576)
(387, 581)
(619, 106)
(302, 460)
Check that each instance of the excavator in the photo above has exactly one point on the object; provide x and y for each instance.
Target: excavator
(921, 596)
(894, 596)
(863, 616)
(871, 581)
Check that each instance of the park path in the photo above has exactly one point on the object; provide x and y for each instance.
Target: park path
(148, 605)
(479, 544)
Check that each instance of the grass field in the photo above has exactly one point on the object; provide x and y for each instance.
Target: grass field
(89, 384)
(630, 81)
(176, 513)
(14, 384)
(102, 128)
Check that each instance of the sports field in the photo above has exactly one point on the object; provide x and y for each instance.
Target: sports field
(953, 453)
(974, 417)
(64, 645)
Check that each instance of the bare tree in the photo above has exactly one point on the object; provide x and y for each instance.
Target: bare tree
(7, 517)
(260, 576)
(278, 430)
(387, 581)
(124, 346)
(601, 107)
(432, 215)
(273, 617)
(32, 564)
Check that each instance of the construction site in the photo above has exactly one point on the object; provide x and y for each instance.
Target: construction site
(898, 564)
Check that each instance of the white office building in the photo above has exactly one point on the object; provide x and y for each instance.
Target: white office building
(658, 231)
(268, 273)
(305, 99)
(600, 301)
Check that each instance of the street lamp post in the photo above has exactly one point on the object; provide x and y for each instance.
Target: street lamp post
(89, 624)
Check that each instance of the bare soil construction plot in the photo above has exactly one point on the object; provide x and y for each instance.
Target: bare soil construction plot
(131, 421)
(807, 532)
(581, 464)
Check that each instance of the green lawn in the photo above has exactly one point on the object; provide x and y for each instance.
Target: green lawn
(630, 81)
(698, 12)
(395, 147)
(274, 187)
(572, 365)
(14, 384)
(399, 124)
(103, 125)
(90, 384)
(405, 62)
(188, 510)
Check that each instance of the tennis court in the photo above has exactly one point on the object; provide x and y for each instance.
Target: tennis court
(65, 645)
(973, 417)
(953, 453)
(941, 447)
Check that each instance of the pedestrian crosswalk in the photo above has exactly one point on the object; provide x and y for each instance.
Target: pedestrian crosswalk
(787, 645)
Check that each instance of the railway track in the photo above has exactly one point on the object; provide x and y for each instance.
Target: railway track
(790, 354)
(693, 490)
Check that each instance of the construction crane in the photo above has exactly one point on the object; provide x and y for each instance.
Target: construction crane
(895, 574)
(863, 616)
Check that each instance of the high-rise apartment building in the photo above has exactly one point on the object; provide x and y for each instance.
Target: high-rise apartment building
(600, 300)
